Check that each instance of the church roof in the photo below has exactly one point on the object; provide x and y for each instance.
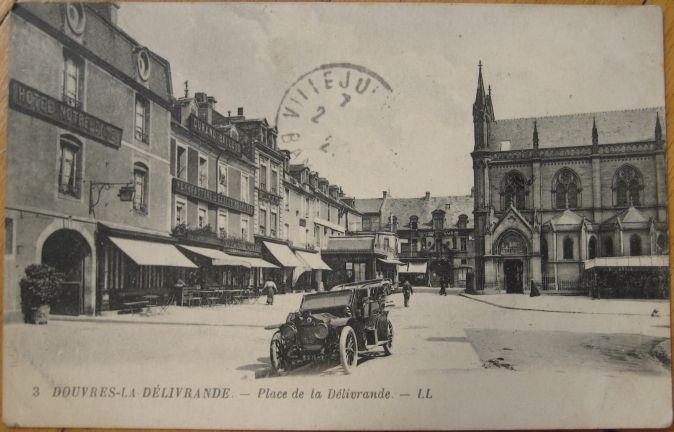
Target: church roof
(629, 216)
(613, 127)
(423, 207)
(568, 217)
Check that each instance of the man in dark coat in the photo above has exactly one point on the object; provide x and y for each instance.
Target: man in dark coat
(407, 291)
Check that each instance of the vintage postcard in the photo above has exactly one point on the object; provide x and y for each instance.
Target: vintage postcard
(335, 216)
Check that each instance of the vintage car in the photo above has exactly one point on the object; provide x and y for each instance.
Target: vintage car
(336, 324)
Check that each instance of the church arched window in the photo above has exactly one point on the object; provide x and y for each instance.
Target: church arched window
(544, 250)
(608, 247)
(513, 190)
(592, 248)
(661, 243)
(635, 245)
(566, 189)
(627, 186)
(568, 248)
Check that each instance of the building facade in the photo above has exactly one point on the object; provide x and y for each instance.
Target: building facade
(88, 120)
(553, 192)
(435, 234)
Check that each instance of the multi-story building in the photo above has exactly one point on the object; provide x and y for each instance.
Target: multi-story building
(88, 180)
(436, 234)
(554, 193)
(213, 192)
(315, 211)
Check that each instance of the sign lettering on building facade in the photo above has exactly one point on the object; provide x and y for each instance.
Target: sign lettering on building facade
(204, 130)
(195, 191)
(35, 103)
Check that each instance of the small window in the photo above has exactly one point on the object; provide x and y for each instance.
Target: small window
(568, 248)
(181, 163)
(70, 167)
(203, 171)
(263, 177)
(287, 200)
(464, 244)
(202, 216)
(142, 122)
(263, 221)
(244, 228)
(245, 188)
(75, 17)
(73, 80)
(143, 64)
(274, 182)
(140, 177)
(222, 223)
(222, 179)
(181, 212)
(9, 236)
(273, 224)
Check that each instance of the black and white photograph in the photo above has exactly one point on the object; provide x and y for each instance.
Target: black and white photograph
(317, 216)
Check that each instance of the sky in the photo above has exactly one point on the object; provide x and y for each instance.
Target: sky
(417, 136)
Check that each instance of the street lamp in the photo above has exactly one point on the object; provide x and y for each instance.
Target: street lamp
(125, 194)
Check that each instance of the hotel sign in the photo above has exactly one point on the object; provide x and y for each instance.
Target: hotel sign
(37, 104)
(208, 132)
(194, 191)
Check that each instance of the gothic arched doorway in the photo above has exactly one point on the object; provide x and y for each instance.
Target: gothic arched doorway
(513, 247)
(68, 252)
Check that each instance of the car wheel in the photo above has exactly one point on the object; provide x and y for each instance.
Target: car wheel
(276, 354)
(388, 346)
(348, 349)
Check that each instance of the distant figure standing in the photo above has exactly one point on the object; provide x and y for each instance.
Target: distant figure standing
(443, 287)
(270, 287)
(534, 291)
(407, 292)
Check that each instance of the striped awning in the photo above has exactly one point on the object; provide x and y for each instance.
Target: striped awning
(313, 260)
(219, 257)
(152, 254)
(283, 254)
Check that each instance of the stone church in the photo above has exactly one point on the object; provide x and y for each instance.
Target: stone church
(556, 195)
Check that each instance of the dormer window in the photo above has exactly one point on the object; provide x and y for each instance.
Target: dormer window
(414, 222)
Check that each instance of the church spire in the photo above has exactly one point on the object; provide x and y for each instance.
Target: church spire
(535, 135)
(595, 134)
(480, 94)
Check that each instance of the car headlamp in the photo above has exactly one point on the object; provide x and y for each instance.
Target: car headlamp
(321, 331)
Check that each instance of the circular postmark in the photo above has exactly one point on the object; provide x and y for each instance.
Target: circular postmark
(329, 110)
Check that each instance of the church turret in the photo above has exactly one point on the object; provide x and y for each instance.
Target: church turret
(483, 112)
(658, 130)
(535, 137)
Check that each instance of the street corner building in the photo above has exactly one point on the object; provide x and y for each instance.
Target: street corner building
(88, 180)
(570, 203)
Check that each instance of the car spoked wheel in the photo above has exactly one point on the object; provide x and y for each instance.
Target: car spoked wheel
(348, 349)
(388, 346)
(276, 354)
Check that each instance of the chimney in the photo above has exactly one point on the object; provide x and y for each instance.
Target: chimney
(447, 206)
(239, 111)
(428, 195)
(383, 194)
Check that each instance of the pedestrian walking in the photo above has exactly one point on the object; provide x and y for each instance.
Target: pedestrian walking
(407, 292)
(270, 288)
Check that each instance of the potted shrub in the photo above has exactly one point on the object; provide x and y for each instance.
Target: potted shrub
(40, 286)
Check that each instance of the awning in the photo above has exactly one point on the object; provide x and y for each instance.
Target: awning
(413, 268)
(152, 254)
(390, 261)
(283, 254)
(629, 261)
(312, 260)
(219, 257)
(255, 262)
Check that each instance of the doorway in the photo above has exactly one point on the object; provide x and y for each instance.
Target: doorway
(512, 270)
(67, 251)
